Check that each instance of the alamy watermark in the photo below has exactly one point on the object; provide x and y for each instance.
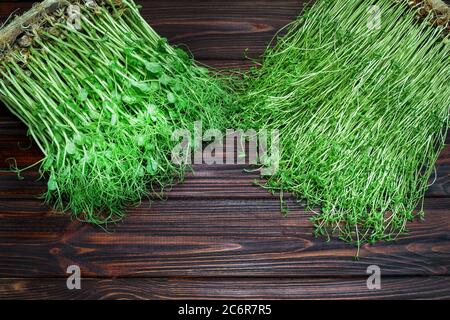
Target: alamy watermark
(74, 16)
(263, 147)
(374, 19)
(74, 280)
(374, 280)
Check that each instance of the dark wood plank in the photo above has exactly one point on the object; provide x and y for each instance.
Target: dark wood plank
(212, 29)
(234, 288)
(209, 238)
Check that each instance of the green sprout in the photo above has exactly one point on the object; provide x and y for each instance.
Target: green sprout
(362, 114)
(101, 101)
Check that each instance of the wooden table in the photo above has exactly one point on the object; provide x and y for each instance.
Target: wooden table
(217, 235)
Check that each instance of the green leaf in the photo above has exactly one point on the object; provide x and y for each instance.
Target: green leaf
(154, 86)
(182, 104)
(165, 79)
(78, 140)
(111, 84)
(141, 172)
(129, 99)
(171, 97)
(140, 141)
(52, 185)
(152, 166)
(71, 148)
(177, 87)
(128, 50)
(48, 162)
(113, 119)
(151, 108)
(153, 67)
(143, 86)
(182, 54)
(161, 46)
(151, 111)
(86, 158)
(82, 95)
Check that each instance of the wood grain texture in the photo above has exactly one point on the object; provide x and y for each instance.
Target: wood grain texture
(211, 29)
(228, 288)
(198, 237)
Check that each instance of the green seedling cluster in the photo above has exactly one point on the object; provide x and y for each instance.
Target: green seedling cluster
(362, 111)
(102, 100)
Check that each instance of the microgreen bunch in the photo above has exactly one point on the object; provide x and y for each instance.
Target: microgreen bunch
(102, 101)
(362, 114)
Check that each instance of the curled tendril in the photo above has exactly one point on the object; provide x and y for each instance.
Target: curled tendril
(14, 168)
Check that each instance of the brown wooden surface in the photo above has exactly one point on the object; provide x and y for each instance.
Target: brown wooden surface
(217, 235)
(228, 288)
